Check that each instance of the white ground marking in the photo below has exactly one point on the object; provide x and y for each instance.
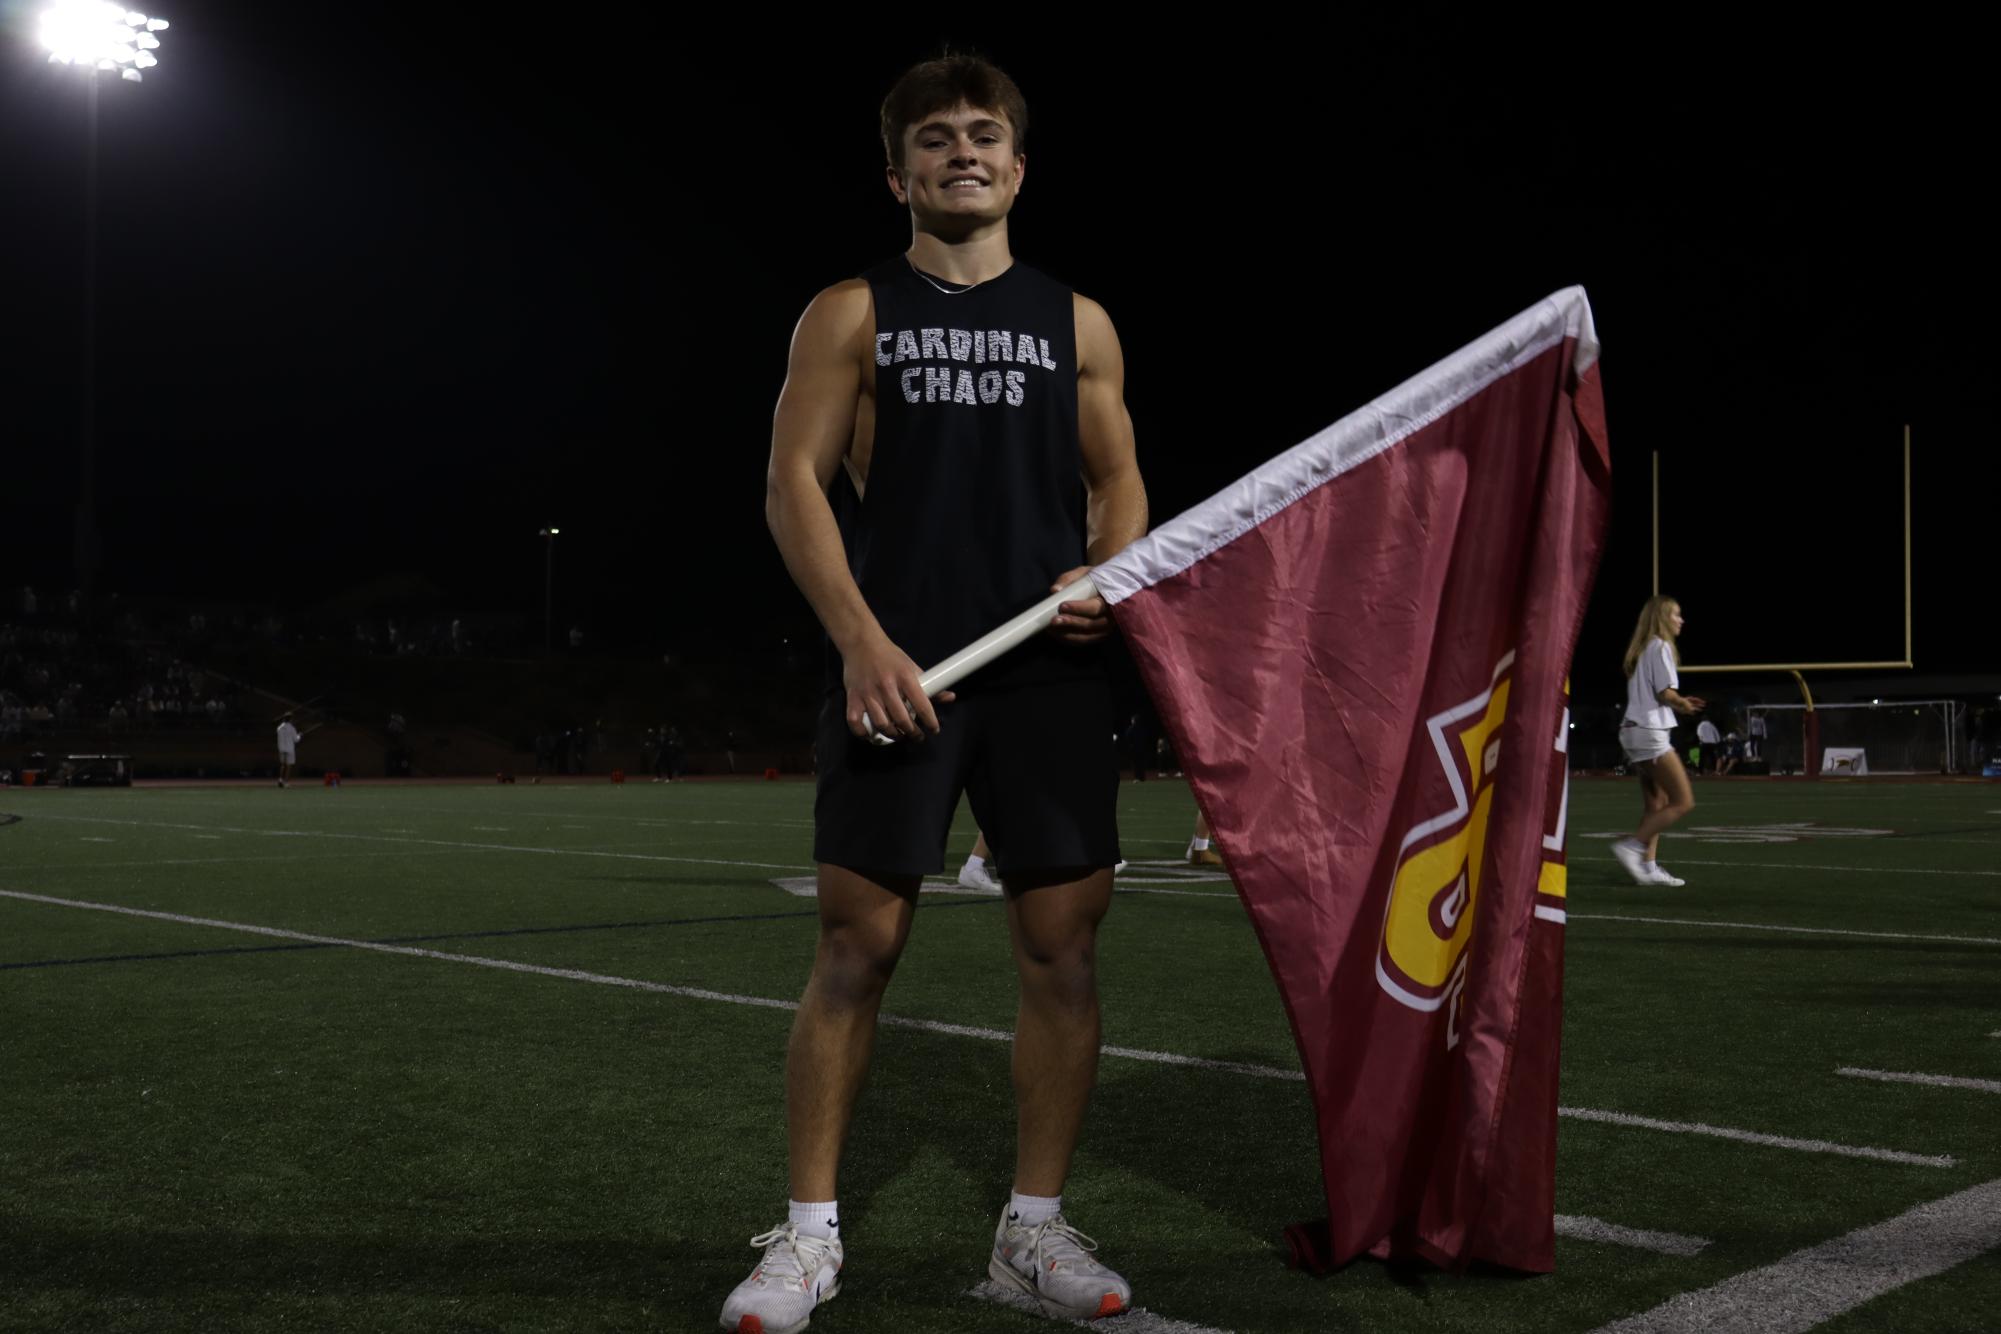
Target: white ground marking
(1812, 1286)
(602, 979)
(213, 838)
(807, 887)
(1168, 871)
(955, 1030)
(571, 974)
(1793, 930)
(97, 840)
(490, 828)
(1788, 832)
(1203, 1063)
(1138, 1320)
(615, 819)
(1937, 1081)
(1815, 866)
(214, 861)
(1753, 1137)
(435, 842)
(1577, 1228)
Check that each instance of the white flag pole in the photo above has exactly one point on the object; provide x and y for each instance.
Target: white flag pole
(991, 645)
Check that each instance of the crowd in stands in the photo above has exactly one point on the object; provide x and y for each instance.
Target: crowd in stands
(60, 673)
(403, 636)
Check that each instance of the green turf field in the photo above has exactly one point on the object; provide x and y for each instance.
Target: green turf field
(203, 1128)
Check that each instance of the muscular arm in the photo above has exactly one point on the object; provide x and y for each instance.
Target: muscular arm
(1116, 513)
(810, 431)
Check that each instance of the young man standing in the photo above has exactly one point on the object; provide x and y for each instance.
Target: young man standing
(288, 748)
(971, 414)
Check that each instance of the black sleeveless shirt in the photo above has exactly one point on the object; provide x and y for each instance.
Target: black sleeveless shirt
(974, 501)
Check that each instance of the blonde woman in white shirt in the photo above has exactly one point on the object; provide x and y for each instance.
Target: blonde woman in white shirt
(1652, 700)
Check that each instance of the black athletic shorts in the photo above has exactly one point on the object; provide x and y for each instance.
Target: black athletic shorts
(1037, 761)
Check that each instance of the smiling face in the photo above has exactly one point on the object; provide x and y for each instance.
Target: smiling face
(960, 171)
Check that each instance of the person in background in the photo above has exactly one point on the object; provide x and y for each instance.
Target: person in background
(1652, 701)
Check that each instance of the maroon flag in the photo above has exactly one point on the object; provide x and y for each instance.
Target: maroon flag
(1361, 652)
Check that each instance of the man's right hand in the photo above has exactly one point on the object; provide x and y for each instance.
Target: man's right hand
(885, 684)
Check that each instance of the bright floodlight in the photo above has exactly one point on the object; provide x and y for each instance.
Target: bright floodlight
(99, 35)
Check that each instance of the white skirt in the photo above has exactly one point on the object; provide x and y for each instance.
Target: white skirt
(1644, 743)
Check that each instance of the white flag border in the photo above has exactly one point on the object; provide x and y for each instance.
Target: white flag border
(1354, 439)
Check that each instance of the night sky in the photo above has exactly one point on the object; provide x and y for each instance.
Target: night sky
(386, 297)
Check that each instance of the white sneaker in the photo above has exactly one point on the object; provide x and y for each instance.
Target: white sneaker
(979, 877)
(1119, 869)
(1630, 855)
(1660, 876)
(1051, 1263)
(796, 1274)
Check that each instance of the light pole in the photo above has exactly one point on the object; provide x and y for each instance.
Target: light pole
(548, 586)
(96, 37)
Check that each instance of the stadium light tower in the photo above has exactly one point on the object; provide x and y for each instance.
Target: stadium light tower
(95, 37)
(548, 536)
(100, 36)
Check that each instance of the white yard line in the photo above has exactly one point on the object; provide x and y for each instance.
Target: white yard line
(1936, 1081)
(214, 861)
(615, 819)
(1577, 1228)
(1754, 1137)
(1813, 1286)
(953, 1030)
(1817, 866)
(435, 843)
(1793, 930)
(1129, 885)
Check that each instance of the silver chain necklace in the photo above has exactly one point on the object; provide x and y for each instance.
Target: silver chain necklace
(948, 291)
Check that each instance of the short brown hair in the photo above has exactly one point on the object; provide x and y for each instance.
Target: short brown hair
(941, 84)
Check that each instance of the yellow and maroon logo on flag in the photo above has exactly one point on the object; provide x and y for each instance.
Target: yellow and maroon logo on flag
(1428, 920)
(1553, 883)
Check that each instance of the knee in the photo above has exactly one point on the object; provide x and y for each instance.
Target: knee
(854, 963)
(1061, 971)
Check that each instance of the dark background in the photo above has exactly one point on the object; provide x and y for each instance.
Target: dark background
(381, 294)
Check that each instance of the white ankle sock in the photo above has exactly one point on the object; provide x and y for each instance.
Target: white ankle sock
(1198, 845)
(1649, 867)
(816, 1220)
(975, 862)
(1028, 1210)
